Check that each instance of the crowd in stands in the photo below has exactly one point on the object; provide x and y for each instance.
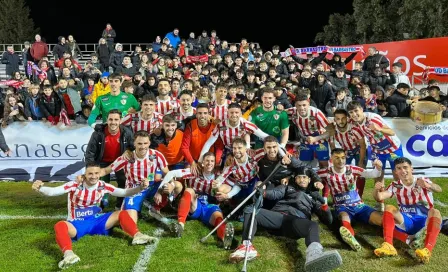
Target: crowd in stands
(51, 88)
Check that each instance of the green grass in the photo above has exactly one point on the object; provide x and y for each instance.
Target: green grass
(29, 245)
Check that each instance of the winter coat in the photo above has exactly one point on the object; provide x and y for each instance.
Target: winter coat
(12, 62)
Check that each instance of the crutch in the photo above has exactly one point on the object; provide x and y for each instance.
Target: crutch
(252, 221)
(279, 164)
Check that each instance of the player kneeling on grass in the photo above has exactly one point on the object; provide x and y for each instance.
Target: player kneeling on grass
(416, 215)
(194, 202)
(342, 180)
(84, 213)
(291, 217)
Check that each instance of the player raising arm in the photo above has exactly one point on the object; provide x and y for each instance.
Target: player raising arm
(415, 214)
(84, 213)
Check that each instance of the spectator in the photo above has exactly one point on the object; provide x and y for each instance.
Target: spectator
(374, 60)
(61, 62)
(26, 56)
(157, 44)
(399, 102)
(86, 94)
(126, 68)
(116, 58)
(101, 88)
(136, 56)
(51, 105)
(71, 98)
(84, 115)
(341, 102)
(174, 38)
(32, 109)
(3, 146)
(322, 93)
(367, 99)
(338, 62)
(103, 51)
(73, 47)
(378, 78)
(109, 35)
(399, 76)
(193, 45)
(125, 103)
(59, 49)
(107, 143)
(281, 99)
(204, 41)
(383, 108)
(39, 49)
(12, 61)
(357, 71)
(434, 96)
(339, 80)
(13, 111)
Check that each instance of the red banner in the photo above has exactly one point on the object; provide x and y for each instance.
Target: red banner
(415, 55)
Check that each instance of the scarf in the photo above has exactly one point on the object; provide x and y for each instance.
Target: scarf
(322, 49)
(13, 83)
(440, 71)
(201, 58)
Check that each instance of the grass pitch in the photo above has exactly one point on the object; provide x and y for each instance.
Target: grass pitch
(29, 244)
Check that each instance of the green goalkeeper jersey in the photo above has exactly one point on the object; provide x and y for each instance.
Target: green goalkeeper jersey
(107, 102)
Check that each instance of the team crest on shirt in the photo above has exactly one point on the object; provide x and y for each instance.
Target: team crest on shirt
(152, 157)
(123, 102)
(223, 128)
(276, 116)
(398, 186)
(321, 147)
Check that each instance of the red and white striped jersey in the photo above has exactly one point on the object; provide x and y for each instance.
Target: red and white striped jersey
(341, 184)
(81, 197)
(179, 115)
(380, 143)
(348, 139)
(411, 195)
(311, 125)
(164, 106)
(228, 133)
(137, 123)
(242, 172)
(219, 111)
(139, 170)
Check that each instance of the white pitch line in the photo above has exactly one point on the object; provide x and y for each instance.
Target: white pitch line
(21, 217)
(145, 256)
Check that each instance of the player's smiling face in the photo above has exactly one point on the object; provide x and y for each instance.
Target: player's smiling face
(209, 163)
(404, 171)
(338, 160)
(141, 146)
(113, 122)
(268, 100)
(148, 107)
(169, 128)
(239, 150)
(92, 175)
(234, 114)
(302, 181)
(357, 114)
(271, 149)
(164, 87)
(221, 93)
(341, 120)
(202, 116)
(302, 107)
(185, 102)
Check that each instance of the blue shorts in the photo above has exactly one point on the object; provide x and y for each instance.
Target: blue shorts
(247, 189)
(204, 211)
(307, 152)
(94, 225)
(389, 157)
(177, 166)
(135, 202)
(354, 155)
(412, 223)
(359, 213)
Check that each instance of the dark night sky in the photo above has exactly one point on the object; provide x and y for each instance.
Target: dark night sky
(296, 24)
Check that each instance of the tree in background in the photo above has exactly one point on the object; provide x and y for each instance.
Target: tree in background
(376, 21)
(16, 26)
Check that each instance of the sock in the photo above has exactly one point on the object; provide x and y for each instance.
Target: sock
(62, 238)
(360, 184)
(184, 207)
(433, 230)
(162, 203)
(388, 227)
(221, 230)
(399, 235)
(348, 226)
(127, 224)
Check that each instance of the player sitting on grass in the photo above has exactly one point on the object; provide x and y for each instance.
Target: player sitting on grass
(84, 213)
(342, 178)
(291, 217)
(143, 164)
(194, 202)
(416, 214)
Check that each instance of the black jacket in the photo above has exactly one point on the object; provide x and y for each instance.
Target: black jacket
(398, 106)
(3, 146)
(12, 62)
(322, 94)
(314, 61)
(295, 201)
(371, 61)
(339, 64)
(283, 100)
(95, 148)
